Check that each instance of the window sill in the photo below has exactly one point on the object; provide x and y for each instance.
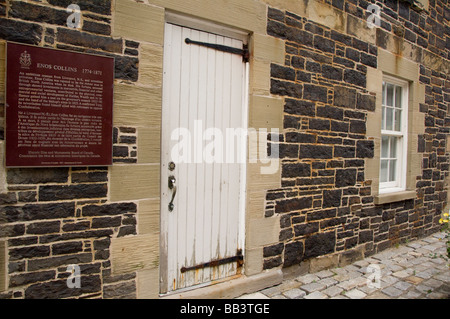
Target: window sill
(394, 197)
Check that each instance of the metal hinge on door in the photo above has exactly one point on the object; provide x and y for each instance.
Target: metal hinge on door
(243, 52)
(214, 263)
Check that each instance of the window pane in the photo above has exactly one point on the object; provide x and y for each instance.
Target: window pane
(390, 95)
(393, 151)
(398, 96)
(392, 170)
(384, 94)
(384, 147)
(384, 171)
(398, 120)
(389, 118)
(383, 118)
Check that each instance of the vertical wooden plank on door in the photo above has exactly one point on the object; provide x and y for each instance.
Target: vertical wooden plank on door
(201, 199)
(209, 167)
(218, 83)
(183, 167)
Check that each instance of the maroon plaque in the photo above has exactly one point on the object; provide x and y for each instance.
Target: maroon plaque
(58, 108)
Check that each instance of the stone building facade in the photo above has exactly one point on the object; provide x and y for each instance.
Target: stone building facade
(315, 72)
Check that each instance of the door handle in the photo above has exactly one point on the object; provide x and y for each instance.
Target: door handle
(173, 187)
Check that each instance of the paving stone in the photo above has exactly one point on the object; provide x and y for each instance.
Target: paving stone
(433, 283)
(355, 294)
(412, 294)
(392, 291)
(316, 295)
(378, 295)
(324, 274)
(333, 291)
(414, 280)
(312, 287)
(256, 295)
(403, 273)
(306, 279)
(402, 285)
(294, 293)
(328, 282)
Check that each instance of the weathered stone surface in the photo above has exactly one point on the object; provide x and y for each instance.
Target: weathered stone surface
(320, 244)
(110, 209)
(345, 177)
(315, 93)
(98, 6)
(37, 175)
(37, 13)
(54, 193)
(296, 170)
(344, 96)
(290, 205)
(22, 32)
(316, 151)
(293, 253)
(88, 40)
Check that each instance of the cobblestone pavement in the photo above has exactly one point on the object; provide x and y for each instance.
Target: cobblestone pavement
(411, 271)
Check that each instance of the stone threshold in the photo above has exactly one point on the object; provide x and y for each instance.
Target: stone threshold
(232, 288)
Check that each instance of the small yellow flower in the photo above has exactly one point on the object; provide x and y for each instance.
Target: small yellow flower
(445, 214)
(441, 221)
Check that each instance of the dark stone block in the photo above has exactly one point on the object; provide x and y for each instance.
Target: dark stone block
(293, 254)
(303, 77)
(337, 126)
(306, 229)
(299, 107)
(275, 14)
(22, 32)
(315, 93)
(340, 37)
(331, 198)
(365, 149)
(369, 60)
(126, 68)
(313, 67)
(111, 209)
(37, 175)
(294, 204)
(319, 124)
(355, 77)
(316, 151)
(89, 177)
(330, 112)
(352, 54)
(366, 102)
(344, 151)
(127, 230)
(345, 62)
(37, 13)
(320, 244)
(272, 262)
(44, 228)
(365, 236)
(88, 40)
(57, 192)
(106, 222)
(285, 89)
(282, 72)
(294, 137)
(273, 250)
(277, 29)
(29, 278)
(67, 248)
(324, 44)
(120, 151)
(98, 28)
(358, 126)
(332, 73)
(288, 151)
(29, 252)
(344, 97)
(97, 6)
(346, 177)
(296, 170)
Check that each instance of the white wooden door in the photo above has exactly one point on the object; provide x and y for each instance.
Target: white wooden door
(203, 96)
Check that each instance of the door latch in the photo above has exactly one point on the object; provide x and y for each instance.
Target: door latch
(173, 187)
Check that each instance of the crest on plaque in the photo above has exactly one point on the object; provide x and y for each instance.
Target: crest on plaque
(25, 60)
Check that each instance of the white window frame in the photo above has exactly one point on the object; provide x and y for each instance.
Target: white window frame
(402, 152)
